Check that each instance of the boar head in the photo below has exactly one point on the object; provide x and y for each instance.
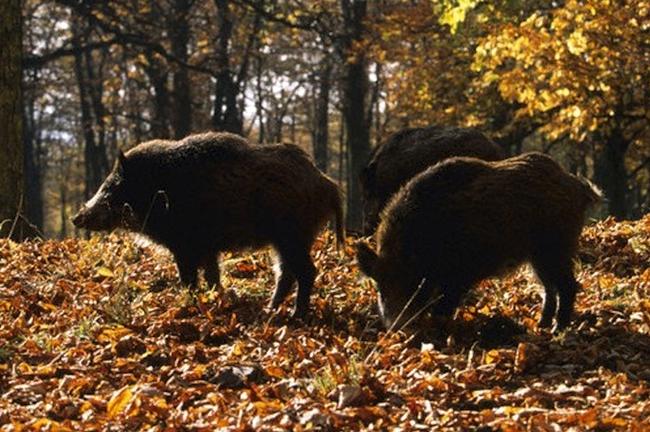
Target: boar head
(395, 288)
(109, 208)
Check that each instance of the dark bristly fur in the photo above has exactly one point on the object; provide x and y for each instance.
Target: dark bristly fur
(215, 192)
(464, 220)
(411, 151)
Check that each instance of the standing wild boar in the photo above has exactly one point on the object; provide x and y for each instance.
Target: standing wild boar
(214, 192)
(464, 220)
(411, 151)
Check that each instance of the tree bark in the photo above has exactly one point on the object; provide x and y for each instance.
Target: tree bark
(225, 115)
(11, 116)
(180, 33)
(274, 119)
(33, 159)
(610, 173)
(320, 136)
(95, 159)
(354, 90)
(259, 100)
(158, 78)
(95, 92)
(63, 210)
(158, 73)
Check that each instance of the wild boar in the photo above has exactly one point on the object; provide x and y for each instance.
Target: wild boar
(215, 192)
(409, 152)
(464, 220)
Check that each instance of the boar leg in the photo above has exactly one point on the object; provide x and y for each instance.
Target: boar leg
(306, 274)
(299, 262)
(211, 271)
(188, 268)
(446, 305)
(559, 282)
(567, 290)
(549, 306)
(284, 282)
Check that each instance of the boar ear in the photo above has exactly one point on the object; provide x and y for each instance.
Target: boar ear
(367, 259)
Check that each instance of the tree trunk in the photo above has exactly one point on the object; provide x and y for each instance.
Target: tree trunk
(158, 72)
(321, 115)
(180, 34)
(511, 131)
(376, 111)
(355, 90)
(342, 153)
(158, 78)
(292, 128)
(95, 159)
(11, 116)
(63, 210)
(610, 173)
(95, 84)
(33, 162)
(259, 101)
(226, 115)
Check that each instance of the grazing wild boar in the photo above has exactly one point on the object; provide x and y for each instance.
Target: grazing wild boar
(464, 220)
(411, 151)
(215, 192)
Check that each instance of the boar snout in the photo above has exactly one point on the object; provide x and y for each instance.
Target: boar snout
(95, 218)
(78, 219)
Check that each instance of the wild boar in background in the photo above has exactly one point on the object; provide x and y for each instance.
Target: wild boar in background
(464, 220)
(409, 152)
(215, 192)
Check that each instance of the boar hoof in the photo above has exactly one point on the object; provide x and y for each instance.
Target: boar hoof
(299, 313)
(559, 328)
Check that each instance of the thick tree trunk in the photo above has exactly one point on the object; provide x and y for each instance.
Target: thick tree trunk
(95, 159)
(225, 115)
(321, 116)
(180, 34)
(91, 180)
(158, 78)
(610, 173)
(11, 116)
(33, 181)
(355, 90)
(158, 72)
(95, 92)
(33, 162)
(512, 131)
(342, 153)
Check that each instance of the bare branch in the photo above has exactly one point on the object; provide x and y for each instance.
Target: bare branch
(124, 38)
(38, 61)
(642, 165)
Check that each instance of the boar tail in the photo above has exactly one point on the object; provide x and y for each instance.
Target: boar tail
(593, 193)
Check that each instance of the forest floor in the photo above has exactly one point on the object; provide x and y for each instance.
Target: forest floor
(98, 335)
